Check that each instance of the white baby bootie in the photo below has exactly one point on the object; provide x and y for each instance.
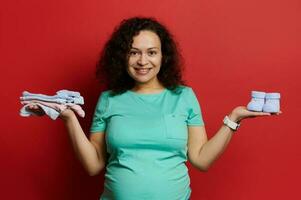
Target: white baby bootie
(272, 103)
(257, 101)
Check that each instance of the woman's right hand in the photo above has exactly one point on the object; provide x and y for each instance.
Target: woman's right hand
(64, 115)
(35, 109)
(67, 114)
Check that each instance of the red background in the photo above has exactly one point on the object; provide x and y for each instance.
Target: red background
(230, 48)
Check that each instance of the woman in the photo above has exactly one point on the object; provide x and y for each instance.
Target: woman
(148, 123)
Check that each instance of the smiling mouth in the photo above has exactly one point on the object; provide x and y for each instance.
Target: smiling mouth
(142, 71)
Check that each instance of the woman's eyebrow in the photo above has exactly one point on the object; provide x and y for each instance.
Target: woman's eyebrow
(148, 48)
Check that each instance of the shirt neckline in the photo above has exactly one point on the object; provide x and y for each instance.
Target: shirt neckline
(148, 94)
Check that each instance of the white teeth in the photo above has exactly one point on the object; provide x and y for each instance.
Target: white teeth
(142, 71)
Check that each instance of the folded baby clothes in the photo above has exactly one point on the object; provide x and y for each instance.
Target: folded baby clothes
(68, 93)
(59, 107)
(56, 106)
(77, 108)
(61, 97)
(52, 113)
(52, 105)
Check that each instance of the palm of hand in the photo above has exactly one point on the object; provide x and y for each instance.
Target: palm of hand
(241, 112)
(40, 112)
(36, 109)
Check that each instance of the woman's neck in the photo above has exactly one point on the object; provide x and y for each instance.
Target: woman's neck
(148, 88)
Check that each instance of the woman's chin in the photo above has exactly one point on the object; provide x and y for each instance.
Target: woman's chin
(140, 81)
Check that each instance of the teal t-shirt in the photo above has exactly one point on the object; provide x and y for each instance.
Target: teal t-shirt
(146, 137)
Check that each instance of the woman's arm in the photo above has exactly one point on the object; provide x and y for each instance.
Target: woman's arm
(202, 152)
(92, 154)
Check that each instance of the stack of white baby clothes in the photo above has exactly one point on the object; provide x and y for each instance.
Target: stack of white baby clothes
(52, 105)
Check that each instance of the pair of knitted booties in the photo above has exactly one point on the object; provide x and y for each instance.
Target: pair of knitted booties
(264, 102)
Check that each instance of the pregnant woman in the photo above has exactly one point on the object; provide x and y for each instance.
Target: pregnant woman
(148, 122)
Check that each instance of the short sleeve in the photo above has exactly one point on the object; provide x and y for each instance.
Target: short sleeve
(99, 120)
(194, 109)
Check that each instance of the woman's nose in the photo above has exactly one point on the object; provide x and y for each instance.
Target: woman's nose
(142, 59)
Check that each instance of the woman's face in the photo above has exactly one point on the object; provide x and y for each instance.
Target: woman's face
(144, 59)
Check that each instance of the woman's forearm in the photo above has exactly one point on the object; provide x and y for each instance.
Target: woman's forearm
(214, 147)
(84, 149)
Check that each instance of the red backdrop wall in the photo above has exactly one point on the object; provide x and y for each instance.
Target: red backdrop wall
(230, 48)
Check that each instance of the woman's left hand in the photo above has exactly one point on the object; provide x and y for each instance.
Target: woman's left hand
(241, 112)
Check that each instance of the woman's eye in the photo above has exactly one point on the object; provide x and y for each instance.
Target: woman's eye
(152, 53)
(133, 53)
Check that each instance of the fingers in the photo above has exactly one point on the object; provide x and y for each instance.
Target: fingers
(36, 109)
(266, 114)
(253, 113)
(263, 114)
(33, 106)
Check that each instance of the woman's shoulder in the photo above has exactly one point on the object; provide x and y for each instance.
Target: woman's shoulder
(110, 94)
(104, 93)
(107, 92)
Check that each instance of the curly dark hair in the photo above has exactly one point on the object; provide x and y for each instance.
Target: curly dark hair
(111, 68)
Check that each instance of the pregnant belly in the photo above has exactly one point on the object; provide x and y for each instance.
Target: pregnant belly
(123, 183)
